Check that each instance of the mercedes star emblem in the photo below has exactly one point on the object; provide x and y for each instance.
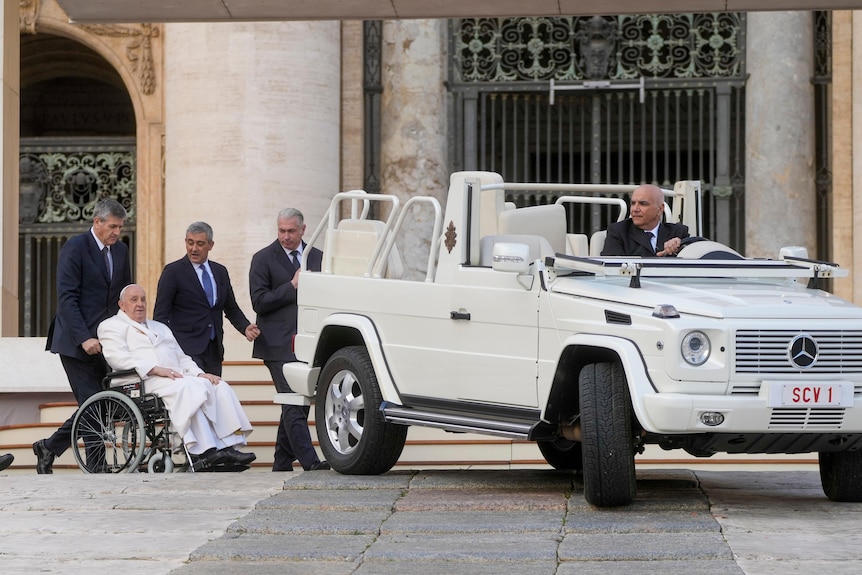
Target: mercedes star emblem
(803, 351)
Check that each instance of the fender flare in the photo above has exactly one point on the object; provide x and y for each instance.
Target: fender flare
(368, 332)
(630, 357)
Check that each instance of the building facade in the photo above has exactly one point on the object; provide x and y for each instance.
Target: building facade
(230, 122)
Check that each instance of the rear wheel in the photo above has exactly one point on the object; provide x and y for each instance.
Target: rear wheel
(841, 475)
(608, 441)
(108, 434)
(563, 454)
(353, 435)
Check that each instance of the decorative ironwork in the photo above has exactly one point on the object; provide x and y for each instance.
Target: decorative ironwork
(64, 186)
(579, 48)
(823, 46)
(822, 81)
(372, 81)
(597, 39)
(60, 181)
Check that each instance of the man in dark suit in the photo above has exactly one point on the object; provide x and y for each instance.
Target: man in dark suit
(92, 268)
(273, 280)
(643, 233)
(194, 293)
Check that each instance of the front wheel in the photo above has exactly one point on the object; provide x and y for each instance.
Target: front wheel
(841, 475)
(608, 440)
(354, 437)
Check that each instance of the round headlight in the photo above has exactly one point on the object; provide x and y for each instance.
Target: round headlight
(695, 348)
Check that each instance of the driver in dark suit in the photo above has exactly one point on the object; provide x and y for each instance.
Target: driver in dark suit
(643, 233)
(182, 302)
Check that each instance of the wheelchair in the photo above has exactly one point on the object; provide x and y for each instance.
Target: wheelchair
(124, 429)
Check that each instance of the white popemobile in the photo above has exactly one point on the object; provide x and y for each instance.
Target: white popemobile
(521, 330)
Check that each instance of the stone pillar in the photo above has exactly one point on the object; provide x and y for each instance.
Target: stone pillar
(780, 196)
(856, 150)
(252, 116)
(9, 133)
(414, 161)
(842, 131)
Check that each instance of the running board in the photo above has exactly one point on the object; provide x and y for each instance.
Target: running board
(404, 416)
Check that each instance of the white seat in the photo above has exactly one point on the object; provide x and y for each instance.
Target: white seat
(548, 221)
(597, 242)
(353, 244)
(577, 245)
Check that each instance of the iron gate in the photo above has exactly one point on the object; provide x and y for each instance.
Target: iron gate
(625, 99)
(60, 182)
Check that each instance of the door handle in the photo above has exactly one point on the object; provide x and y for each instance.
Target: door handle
(459, 315)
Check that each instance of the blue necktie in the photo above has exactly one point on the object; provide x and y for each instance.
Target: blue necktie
(650, 236)
(208, 285)
(208, 289)
(294, 259)
(107, 256)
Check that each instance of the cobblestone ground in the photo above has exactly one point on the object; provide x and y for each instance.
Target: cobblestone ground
(470, 522)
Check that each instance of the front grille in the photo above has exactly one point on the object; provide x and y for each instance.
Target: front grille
(802, 418)
(766, 351)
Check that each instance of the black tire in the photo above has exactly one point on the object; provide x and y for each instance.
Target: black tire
(353, 436)
(607, 438)
(563, 454)
(108, 434)
(841, 475)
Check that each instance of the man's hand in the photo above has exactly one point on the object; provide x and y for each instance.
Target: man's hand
(671, 247)
(251, 332)
(295, 281)
(213, 379)
(160, 371)
(92, 346)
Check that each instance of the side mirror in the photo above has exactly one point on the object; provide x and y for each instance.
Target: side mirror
(508, 257)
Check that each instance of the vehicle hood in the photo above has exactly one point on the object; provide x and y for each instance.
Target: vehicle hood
(718, 298)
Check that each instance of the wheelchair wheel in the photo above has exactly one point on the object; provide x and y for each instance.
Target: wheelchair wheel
(108, 434)
(160, 462)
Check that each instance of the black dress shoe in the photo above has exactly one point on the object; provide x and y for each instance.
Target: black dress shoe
(6, 461)
(319, 466)
(207, 459)
(236, 457)
(44, 458)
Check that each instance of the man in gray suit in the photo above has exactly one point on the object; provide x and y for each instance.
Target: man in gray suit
(273, 279)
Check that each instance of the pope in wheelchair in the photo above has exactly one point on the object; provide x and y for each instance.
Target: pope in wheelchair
(204, 410)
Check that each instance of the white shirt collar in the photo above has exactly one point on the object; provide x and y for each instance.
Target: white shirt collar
(298, 250)
(98, 241)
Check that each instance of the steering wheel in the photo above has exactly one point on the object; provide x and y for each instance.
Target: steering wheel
(691, 240)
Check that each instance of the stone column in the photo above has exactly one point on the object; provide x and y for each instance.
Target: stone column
(9, 133)
(414, 161)
(252, 126)
(855, 168)
(780, 197)
(842, 131)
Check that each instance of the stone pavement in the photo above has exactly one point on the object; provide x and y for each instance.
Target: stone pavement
(466, 522)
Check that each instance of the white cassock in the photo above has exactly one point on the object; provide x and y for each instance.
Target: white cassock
(205, 415)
